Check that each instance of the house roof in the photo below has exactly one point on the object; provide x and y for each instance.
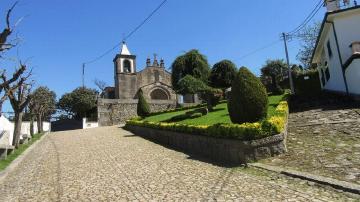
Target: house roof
(325, 27)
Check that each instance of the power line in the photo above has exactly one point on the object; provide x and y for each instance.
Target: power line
(260, 49)
(308, 18)
(129, 35)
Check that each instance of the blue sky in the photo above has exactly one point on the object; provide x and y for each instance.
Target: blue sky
(59, 35)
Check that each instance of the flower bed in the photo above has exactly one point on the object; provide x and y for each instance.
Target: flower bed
(247, 131)
(233, 144)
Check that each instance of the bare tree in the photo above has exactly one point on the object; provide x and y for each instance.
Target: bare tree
(4, 35)
(19, 95)
(6, 45)
(100, 84)
(308, 37)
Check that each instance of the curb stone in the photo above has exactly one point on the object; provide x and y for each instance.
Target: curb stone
(14, 164)
(337, 184)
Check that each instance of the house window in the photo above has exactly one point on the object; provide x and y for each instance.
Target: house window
(127, 66)
(330, 53)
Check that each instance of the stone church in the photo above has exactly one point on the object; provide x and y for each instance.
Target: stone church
(119, 103)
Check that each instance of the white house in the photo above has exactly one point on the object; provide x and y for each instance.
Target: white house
(337, 51)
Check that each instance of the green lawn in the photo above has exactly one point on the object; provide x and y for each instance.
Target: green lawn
(219, 115)
(4, 163)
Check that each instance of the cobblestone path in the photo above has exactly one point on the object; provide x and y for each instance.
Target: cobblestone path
(324, 142)
(110, 164)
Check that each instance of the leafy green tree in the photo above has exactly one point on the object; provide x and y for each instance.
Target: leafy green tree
(143, 108)
(78, 104)
(191, 85)
(274, 69)
(308, 37)
(191, 63)
(42, 105)
(248, 100)
(222, 74)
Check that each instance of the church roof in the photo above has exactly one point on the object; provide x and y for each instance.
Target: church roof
(124, 49)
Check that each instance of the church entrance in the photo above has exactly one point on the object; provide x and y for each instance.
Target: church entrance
(159, 94)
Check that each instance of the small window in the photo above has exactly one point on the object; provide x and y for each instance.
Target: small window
(327, 74)
(329, 49)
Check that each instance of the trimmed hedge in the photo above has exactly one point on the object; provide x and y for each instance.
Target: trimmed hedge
(246, 131)
(143, 108)
(248, 98)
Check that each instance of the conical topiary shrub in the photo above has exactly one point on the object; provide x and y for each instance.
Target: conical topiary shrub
(248, 100)
(143, 108)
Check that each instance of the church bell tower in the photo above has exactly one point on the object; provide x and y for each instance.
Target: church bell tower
(125, 63)
(124, 72)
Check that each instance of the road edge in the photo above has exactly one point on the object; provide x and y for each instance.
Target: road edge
(14, 164)
(337, 184)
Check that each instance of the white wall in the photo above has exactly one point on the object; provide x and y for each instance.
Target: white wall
(87, 124)
(6, 125)
(348, 31)
(353, 77)
(336, 81)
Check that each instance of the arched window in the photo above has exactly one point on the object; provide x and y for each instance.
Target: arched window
(127, 66)
(159, 94)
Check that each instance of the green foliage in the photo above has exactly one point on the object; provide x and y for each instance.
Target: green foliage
(191, 85)
(222, 74)
(43, 102)
(248, 101)
(79, 103)
(246, 131)
(191, 63)
(220, 113)
(307, 83)
(275, 71)
(143, 108)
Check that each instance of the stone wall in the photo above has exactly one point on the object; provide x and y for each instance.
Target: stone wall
(234, 152)
(113, 112)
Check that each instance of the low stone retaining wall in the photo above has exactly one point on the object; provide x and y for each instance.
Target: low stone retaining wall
(234, 152)
(112, 111)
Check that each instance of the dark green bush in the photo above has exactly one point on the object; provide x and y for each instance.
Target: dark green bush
(248, 102)
(196, 115)
(179, 118)
(143, 108)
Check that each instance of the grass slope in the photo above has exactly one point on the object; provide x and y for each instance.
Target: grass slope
(219, 115)
(4, 163)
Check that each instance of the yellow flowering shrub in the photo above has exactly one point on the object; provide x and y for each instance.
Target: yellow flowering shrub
(246, 131)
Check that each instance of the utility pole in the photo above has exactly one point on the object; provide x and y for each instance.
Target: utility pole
(83, 75)
(288, 64)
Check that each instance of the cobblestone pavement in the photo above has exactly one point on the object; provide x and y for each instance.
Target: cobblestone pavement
(110, 164)
(324, 142)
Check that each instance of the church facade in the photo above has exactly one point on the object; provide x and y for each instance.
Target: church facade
(153, 80)
(119, 103)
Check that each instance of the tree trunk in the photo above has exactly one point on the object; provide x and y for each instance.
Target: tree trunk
(31, 125)
(17, 128)
(41, 124)
(39, 121)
